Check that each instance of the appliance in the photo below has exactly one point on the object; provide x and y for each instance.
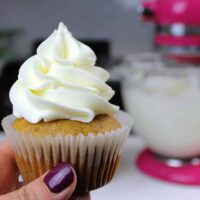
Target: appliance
(177, 27)
(165, 105)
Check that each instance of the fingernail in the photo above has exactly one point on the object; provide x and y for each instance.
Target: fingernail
(59, 178)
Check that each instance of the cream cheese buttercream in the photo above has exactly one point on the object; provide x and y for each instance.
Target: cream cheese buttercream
(61, 82)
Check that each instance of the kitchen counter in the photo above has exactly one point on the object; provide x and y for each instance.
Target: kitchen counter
(129, 183)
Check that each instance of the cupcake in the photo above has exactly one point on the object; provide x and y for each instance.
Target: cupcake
(61, 113)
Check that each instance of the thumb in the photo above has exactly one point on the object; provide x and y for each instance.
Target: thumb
(57, 184)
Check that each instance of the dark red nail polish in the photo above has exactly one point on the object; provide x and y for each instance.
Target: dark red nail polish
(59, 178)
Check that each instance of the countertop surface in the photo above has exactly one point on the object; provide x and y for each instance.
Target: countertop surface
(129, 183)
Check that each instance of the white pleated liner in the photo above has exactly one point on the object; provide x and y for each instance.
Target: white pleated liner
(105, 146)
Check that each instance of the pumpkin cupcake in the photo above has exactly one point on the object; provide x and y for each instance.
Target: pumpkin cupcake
(61, 113)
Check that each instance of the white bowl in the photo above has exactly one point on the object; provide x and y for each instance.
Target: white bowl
(165, 104)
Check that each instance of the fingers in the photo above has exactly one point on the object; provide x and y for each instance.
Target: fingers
(6, 148)
(57, 184)
(8, 168)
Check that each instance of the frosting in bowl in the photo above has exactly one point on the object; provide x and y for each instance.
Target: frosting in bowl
(61, 82)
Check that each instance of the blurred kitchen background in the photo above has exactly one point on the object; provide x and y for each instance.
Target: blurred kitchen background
(113, 20)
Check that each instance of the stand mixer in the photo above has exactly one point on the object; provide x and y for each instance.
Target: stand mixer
(177, 27)
(165, 104)
(165, 101)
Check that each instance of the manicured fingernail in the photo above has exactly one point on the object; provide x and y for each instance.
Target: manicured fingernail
(59, 178)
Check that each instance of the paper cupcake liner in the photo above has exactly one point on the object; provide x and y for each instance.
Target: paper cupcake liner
(94, 157)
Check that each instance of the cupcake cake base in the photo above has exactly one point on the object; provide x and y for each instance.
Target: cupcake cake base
(94, 155)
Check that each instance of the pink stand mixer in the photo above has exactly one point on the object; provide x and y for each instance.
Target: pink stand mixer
(177, 27)
(164, 102)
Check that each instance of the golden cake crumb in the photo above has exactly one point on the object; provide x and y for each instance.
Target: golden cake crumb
(101, 123)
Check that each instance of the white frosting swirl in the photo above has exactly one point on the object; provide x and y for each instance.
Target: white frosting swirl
(61, 82)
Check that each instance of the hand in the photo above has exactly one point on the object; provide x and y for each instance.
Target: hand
(57, 184)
